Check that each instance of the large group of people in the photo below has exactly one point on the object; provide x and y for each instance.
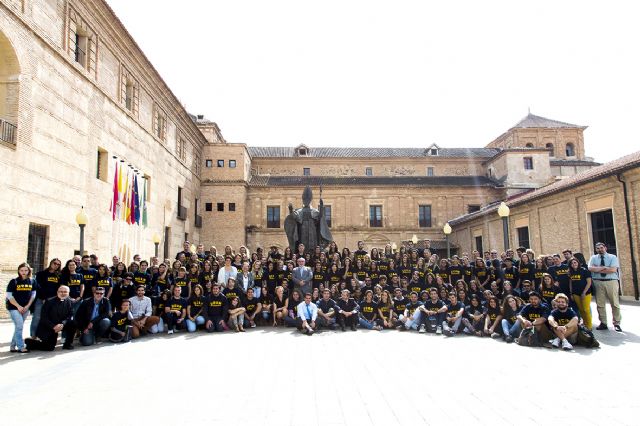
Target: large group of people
(510, 296)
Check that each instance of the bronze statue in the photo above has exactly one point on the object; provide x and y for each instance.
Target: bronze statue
(307, 225)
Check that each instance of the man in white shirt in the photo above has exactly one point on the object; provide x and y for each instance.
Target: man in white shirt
(307, 315)
(141, 310)
(604, 273)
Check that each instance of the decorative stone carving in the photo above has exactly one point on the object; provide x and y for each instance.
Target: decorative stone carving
(337, 171)
(278, 171)
(400, 170)
(456, 171)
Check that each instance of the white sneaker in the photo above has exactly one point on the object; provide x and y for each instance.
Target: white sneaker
(422, 329)
(566, 345)
(555, 342)
(170, 331)
(439, 330)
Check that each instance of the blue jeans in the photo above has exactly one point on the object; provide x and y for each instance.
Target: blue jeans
(99, 328)
(18, 320)
(192, 325)
(412, 323)
(366, 324)
(511, 330)
(35, 319)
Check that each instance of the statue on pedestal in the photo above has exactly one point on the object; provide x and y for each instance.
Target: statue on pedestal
(307, 225)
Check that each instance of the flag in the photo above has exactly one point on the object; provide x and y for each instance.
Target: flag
(132, 204)
(114, 205)
(144, 204)
(120, 184)
(136, 200)
(125, 198)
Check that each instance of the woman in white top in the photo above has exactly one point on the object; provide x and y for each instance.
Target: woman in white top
(227, 271)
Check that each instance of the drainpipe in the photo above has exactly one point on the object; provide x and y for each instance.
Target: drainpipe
(634, 268)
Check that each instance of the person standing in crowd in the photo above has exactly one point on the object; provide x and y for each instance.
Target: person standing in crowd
(564, 323)
(124, 290)
(302, 276)
(103, 280)
(347, 311)
(580, 279)
(227, 271)
(307, 315)
(88, 276)
(141, 309)
(57, 316)
(186, 251)
(245, 278)
(215, 310)
(559, 272)
(93, 318)
(20, 295)
(47, 283)
(604, 268)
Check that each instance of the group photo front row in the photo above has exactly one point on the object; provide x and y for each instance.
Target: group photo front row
(511, 296)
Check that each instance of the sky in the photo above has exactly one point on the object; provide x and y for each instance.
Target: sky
(396, 73)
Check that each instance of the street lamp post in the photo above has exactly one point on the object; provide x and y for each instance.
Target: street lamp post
(156, 242)
(503, 212)
(81, 220)
(447, 230)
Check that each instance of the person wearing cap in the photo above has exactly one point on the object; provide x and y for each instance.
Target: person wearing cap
(302, 276)
(93, 317)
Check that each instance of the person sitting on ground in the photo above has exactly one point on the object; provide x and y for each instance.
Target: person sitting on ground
(279, 306)
(175, 310)
(475, 313)
(368, 312)
(510, 325)
(120, 331)
(215, 310)
(142, 311)
(453, 322)
(307, 315)
(385, 310)
(94, 317)
(411, 318)
(56, 316)
(253, 308)
(326, 310)
(564, 323)
(493, 318)
(236, 315)
(534, 315)
(195, 306)
(347, 311)
(434, 312)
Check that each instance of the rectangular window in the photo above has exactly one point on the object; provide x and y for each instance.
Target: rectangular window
(102, 165)
(160, 125)
(232, 207)
(182, 211)
(375, 216)
(208, 206)
(37, 246)
(196, 164)
(478, 245)
(147, 181)
(306, 171)
(523, 237)
(81, 41)
(473, 208)
(602, 230)
(208, 163)
(80, 52)
(424, 216)
(181, 148)
(327, 215)
(368, 171)
(129, 95)
(528, 163)
(220, 207)
(232, 164)
(429, 171)
(220, 163)
(273, 216)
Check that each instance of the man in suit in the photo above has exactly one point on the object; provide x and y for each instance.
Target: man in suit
(93, 317)
(57, 315)
(245, 278)
(302, 277)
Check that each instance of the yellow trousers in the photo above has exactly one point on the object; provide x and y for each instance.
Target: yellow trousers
(584, 306)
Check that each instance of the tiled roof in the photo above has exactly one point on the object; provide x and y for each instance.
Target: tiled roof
(608, 169)
(264, 180)
(536, 121)
(574, 163)
(329, 152)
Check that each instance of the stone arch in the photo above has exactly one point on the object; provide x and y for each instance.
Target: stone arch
(9, 90)
(376, 240)
(570, 150)
(529, 145)
(550, 147)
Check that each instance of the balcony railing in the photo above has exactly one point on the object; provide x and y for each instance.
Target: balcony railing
(7, 131)
(198, 221)
(182, 213)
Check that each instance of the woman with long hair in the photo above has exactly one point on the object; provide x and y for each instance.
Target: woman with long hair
(103, 280)
(539, 271)
(580, 285)
(292, 303)
(548, 290)
(236, 314)
(511, 328)
(195, 305)
(493, 318)
(74, 281)
(20, 295)
(279, 306)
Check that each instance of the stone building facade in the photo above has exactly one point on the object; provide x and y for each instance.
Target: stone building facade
(77, 96)
(601, 204)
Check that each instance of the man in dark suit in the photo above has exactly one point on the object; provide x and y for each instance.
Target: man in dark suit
(245, 278)
(92, 317)
(57, 315)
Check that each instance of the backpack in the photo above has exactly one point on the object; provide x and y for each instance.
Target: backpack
(586, 337)
(528, 337)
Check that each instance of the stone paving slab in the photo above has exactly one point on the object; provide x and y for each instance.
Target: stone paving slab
(280, 377)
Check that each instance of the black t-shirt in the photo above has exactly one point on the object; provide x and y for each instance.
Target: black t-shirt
(251, 304)
(430, 305)
(292, 307)
(326, 305)
(455, 273)
(532, 313)
(563, 318)
(399, 305)
(215, 305)
(47, 284)
(230, 293)
(318, 278)
(579, 280)
(196, 304)
(359, 254)
(74, 281)
(411, 307)
(120, 320)
(511, 275)
(473, 310)
(183, 283)
(368, 310)
(88, 275)
(142, 278)
(453, 309)
(104, 282)
(265, 299)
(418, 286)
(161, 284)
(493, 313)
(528, 272)
(159, 303)
(21, 291)
(177, 304)
(561, 275)
(548, 294)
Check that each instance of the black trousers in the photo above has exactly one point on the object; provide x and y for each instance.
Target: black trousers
(351, 320)
(48, 343)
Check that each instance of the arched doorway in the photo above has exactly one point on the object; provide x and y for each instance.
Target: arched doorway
(9, 90)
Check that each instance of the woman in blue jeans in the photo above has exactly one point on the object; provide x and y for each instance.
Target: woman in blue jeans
(21, 292)
(510, 325)
(194, 309)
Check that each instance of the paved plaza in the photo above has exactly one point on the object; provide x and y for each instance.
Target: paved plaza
(280, 377)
